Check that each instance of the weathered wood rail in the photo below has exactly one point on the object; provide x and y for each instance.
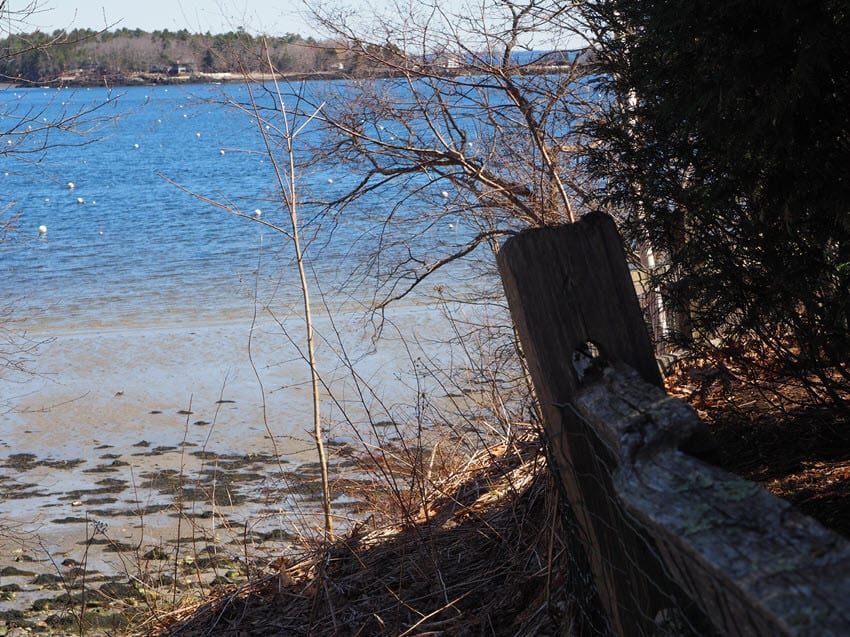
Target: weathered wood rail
(665, 534)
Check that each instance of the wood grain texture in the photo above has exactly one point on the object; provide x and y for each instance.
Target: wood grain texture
(750, 561)
(567, 286)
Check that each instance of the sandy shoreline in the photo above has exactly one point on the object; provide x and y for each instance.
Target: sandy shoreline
(100, 386)
(101, 436)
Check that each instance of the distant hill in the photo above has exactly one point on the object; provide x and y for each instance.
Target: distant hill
(129, 56)
(43, 57)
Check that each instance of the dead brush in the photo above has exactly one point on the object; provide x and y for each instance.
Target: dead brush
(486, 554)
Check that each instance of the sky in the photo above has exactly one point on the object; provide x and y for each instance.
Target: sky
(274, 17)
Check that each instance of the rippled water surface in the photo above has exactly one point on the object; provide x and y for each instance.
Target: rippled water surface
(127, 245)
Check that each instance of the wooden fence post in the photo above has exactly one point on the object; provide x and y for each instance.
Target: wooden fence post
(675, 546)
(566, 287)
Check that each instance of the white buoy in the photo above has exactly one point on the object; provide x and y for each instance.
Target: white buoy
(198, 135)
(258, 213)
(80, 200)
(135, 146)
(71, 185)
(451, 226)
(444, 194)
(330, 181)
(185, 116)
(42, 230)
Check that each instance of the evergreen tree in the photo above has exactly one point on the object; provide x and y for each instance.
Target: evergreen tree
(726, 143)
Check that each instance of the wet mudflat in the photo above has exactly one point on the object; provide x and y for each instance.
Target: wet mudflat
(151, 521)
(146, 464)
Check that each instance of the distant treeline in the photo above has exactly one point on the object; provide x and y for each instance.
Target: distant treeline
(40, 56)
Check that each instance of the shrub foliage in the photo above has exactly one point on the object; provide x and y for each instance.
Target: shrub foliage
(725, 143)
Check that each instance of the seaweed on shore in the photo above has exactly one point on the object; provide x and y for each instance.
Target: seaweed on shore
(484, 554)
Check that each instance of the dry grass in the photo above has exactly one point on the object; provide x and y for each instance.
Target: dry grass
(485, 555)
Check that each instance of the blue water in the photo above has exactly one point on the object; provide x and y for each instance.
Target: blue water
(139, 249)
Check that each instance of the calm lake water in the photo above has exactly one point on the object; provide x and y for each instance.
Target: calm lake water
(126, 246)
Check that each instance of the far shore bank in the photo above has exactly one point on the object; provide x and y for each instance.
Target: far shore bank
(153, 79)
